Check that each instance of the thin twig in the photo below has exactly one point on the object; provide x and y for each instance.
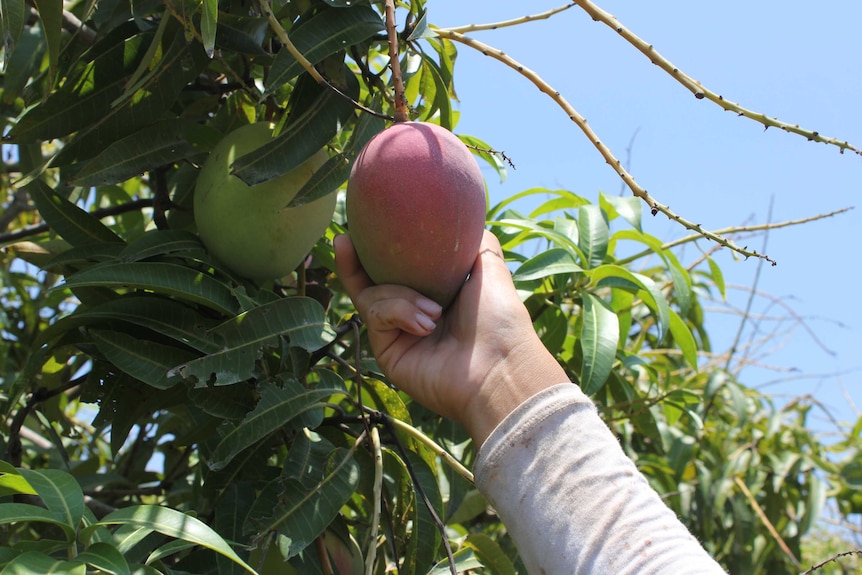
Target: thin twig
(696, 88)
(766, 522)
(833, 558)
(581, 122)
(513, 22)
(401, 113)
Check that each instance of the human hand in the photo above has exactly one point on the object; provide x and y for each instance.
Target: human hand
(474, 362)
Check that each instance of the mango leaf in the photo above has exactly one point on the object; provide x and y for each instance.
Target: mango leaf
(73, 224)
(465, 561)
(302, 320)
(84, 96)
(629, 207)
(492, 555)
(160, 144)
(610, 275)
(161, 315)
(209, 25)
(244, 34)
(599, 339)
(133, 109)
(22, 63)
(304, 514)
(60, 493)
(162, 242)
(316, 115)
(106, 558)
(51, 21)
(31, 562)
(145, 360)
(12, 22)
(592, 234)
(531, 229)
(171, 279)
(424, 536)
(230, 515)
(11, 482)
(325, 33)
(550, 262)
(683, 338)
(168, 522)
(276, 408)
(336, 170)
(26, 513)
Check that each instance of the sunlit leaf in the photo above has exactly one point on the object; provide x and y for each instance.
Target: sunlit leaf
(60, 493)
(73, 224)
(147, 361)
(592, 235)
(599, 340)
(32, 562)
(549, 262)
(106, 558)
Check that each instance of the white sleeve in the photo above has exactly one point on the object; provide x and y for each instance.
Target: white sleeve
(572, 500)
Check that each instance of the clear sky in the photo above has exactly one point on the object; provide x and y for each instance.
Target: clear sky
(800, 62)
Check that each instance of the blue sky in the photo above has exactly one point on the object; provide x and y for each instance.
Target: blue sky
(795, 61)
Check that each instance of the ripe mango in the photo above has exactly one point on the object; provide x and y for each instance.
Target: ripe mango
(248, 227)
(416, 209)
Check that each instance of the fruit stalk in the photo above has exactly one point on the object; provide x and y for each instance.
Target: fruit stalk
(400, 100)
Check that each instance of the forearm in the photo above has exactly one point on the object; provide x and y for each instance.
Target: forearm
(573, 501)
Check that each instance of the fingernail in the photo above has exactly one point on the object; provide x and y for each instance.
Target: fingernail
(429, 307)
(425, 322)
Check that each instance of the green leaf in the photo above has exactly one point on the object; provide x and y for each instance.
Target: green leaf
(276, 408)
(610, 275)
(170, 279)
(684, 339)
(14, 14)
(147, 361)
(106, 558)
(73, 224)
(717, 276)
(629, 207)
(302, 514)
(244, 34)
(33, 562)
(162, 242)
(325, 33)
(424, 535)
(492, 555)
(550, 262)
(161, 315)
(592, 234)
(160, 144)
(169, 522)
(20, 64)
(11, 481)
(599, 339)
(302, 320)
(209, 25)
(51, 21)
(316, 115)
(60, 493)
(26, 513)
(336, 170)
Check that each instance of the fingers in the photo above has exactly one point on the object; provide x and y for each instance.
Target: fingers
(383, 307)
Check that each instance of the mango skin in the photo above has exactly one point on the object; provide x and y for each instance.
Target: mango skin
(416, 209)
(248, 228)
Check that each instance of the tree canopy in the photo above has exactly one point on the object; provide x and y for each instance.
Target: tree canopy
(164, 414)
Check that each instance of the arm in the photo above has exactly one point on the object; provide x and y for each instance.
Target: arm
(567, 493)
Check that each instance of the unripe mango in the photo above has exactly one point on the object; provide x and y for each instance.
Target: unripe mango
(416, 209)
(248, 227)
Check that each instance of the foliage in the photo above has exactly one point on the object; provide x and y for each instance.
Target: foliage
(148, 392)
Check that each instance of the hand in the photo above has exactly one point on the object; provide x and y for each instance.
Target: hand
(474, 362)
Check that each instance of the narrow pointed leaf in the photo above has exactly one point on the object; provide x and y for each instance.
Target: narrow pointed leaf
(14, 17)
(161, 144)
(550, 262)
(51, 21)
(305, 514)
(209, 25)
(684, 339)
(60, 493)
(73, 224)
(302, 320)
(599, 339)
(610, 275)
(592, 234)
(106, 558)
(629, 207)
(172, 523)
(166, 278)
(144, 360)
(26, 513)
(326, 33)
(241, 33)
(162, 242)
(32, 562)
(274, 410)
(316, 115)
